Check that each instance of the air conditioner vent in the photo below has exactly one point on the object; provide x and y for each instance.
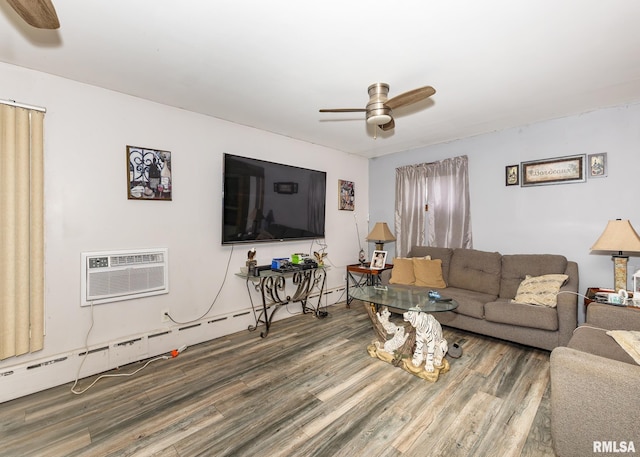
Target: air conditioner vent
(123, 275)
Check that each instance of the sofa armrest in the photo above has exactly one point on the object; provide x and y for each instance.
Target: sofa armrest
(567, 306)
(613, 317)
(385, 276)
(593, 399)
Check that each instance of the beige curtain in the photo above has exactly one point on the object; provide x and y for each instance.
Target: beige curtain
(21, 231)
(444, 187)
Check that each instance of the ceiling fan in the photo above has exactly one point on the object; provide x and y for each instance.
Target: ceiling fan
(379, 108)
(39, 13)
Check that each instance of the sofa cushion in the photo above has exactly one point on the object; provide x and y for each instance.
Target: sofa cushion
(596, 341)
(428, 273)
(504, 311)
(540, 290)
(443, 254)
(515, 267)
(470, 303)
(478, 271)
(402, 272)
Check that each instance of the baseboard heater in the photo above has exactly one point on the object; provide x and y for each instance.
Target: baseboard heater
(110, 276)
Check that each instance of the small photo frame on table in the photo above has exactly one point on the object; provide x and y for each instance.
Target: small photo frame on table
(512, 175)
(378, 260)
(597, 164)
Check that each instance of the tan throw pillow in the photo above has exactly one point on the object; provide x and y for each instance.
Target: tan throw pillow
(540, 290)
(629, 340)
(402, 272)
(428, 273)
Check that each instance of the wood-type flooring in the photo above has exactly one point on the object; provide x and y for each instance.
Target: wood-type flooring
(308, 389)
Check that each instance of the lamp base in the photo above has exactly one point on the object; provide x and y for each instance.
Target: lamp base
(379, 246)
(620, 272)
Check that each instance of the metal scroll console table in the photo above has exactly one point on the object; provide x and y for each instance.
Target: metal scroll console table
(271, 285)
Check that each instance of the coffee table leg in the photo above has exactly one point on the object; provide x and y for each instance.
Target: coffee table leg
(417, 337)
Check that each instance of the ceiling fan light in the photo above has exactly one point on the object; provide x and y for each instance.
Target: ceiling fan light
(378, 119)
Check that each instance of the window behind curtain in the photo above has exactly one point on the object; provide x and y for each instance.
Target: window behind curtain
(446, 183)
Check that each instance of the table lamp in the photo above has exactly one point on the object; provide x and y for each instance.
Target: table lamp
(380, 235)
(618, 236)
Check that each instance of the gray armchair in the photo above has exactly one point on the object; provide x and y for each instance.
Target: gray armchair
(595, 387)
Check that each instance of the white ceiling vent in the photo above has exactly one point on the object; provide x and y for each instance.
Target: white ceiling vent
(110, 276)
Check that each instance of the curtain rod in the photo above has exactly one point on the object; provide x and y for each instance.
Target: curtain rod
(22, 105)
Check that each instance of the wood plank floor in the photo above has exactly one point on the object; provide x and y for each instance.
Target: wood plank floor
(309, 389)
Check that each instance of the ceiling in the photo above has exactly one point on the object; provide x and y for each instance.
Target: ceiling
(273, 64)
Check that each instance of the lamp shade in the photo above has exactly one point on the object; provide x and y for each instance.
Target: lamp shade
(381, 233)
(618, 236)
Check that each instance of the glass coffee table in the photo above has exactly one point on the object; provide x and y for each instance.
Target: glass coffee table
(416, 345)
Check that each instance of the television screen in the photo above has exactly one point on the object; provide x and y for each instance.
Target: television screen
(267, 201)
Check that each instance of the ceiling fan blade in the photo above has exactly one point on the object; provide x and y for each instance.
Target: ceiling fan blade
(410, 97)
(38, 13)
(388, 126)
(344, 110)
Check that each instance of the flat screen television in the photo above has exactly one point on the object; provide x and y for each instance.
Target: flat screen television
(266, 201)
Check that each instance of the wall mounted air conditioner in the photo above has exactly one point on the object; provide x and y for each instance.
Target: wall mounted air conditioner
(110, 276)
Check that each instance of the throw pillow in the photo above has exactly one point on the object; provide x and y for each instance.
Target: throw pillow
(402, 272)
(628, 340)
(540, 290)
(428, 273)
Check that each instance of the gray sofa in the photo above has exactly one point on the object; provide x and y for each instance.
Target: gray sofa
(484, 283)
(594, 386)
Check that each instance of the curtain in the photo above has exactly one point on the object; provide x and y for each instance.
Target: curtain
(449, 209)
(21, 231)
(411, 198)
(444, 187)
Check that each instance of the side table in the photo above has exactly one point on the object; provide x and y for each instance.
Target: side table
(363, 275)
(271, 287)
(590, 297)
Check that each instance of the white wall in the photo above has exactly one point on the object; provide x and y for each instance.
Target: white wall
(87, 130)
(558, 219)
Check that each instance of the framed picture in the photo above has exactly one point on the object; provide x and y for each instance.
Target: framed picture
(597, 165)
(512, 175)
(378, 260)
(561, 170)
(346, 195)
(149, 174)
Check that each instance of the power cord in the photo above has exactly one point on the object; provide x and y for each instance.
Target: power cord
(215, 299)
(174, 353)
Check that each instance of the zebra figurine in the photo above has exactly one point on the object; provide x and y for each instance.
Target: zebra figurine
(428, 338)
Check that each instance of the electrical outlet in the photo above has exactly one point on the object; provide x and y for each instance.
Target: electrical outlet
(164, 316)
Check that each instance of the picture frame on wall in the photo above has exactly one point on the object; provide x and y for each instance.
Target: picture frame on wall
(378, 260)
(560, 170)
(149, 174)
(597, 164)
(346, 195)
(512, 175)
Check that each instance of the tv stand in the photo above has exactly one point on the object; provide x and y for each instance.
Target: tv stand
(271, 285)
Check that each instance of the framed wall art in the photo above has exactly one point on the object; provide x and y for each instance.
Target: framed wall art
(560, 170)
(149, 174)
(512, 175)
(597, 165)
(346, 195)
